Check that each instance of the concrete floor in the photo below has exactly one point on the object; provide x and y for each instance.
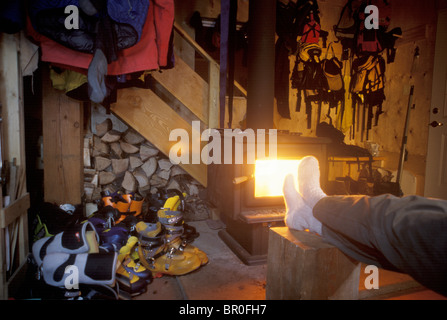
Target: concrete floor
(225, 277)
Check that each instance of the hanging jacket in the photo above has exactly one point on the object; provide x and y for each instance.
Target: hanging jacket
(126, 23)
(150, 53)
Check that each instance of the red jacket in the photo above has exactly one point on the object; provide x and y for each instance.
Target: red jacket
(150, 53)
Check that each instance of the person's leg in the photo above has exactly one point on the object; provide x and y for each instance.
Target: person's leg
(406, 234)
(403, 234)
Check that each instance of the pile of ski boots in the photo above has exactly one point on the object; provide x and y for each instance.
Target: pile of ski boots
(115, 235)
(164, 239)
(121, 247)
(157, 242)
(94, 248)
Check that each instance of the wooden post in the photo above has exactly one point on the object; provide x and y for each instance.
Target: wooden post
(301, 266)
(13, 216)
(62, 120)
(213, 111)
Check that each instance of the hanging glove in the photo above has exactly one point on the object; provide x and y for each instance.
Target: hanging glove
(97, 71)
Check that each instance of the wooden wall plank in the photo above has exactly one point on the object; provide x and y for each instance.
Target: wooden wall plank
(62, 120)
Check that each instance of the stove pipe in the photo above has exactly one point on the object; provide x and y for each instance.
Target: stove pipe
(261, 64)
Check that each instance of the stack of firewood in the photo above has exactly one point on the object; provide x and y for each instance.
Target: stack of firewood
(126, 161)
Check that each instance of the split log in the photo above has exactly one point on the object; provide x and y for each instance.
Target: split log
(147, 152)
(116, 149)
(173, 184)
(164, 174)
(120, 166)
(104, 127)
(156, 181)
(96, 194)
(87, 156)
(110, 188)
(102, 163)
(149, 167)
(129, 182)
(88, 190)
(89, 174)
(141, 178)
(100, 148)
(106, 177)
(135, 162)
(128, 148)
(164, 164)
(133, 137)
(144, 191)
(111, 136)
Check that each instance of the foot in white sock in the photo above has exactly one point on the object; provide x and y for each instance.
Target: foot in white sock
(309, 181)
(298, 215)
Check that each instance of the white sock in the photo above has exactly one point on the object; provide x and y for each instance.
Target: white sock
(309, 181)
(298, 215)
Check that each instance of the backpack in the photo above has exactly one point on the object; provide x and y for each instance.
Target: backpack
(355, 38)
(332, 71)
(367, 86)
(368, 75)
(371, 41)
(311, 30)
(334, 93)
(308, 77)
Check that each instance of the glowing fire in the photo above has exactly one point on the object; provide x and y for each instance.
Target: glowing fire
(270, 175)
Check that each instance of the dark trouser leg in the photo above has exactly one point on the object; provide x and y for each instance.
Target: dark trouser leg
(406, 234)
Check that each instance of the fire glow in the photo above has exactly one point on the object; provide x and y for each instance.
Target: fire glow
(270, 175)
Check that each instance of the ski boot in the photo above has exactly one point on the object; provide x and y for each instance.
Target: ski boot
(131, 262)
(61, 269)
(129, 205)
(76, 238)
(129, 284)
(160, 258)
(172, 219)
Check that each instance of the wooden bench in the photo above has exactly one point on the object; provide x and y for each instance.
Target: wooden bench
(301, 266)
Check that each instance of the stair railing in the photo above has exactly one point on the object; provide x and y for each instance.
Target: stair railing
(213, 78)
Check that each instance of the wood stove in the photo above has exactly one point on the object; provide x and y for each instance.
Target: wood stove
(232, 188)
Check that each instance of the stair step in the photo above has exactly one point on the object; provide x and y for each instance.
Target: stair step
(187, 86)
(149, 115)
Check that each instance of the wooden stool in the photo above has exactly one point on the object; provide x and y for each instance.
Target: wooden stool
(301, 266)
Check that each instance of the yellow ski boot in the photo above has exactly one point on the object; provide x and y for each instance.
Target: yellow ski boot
(172, 219)
(156, 256)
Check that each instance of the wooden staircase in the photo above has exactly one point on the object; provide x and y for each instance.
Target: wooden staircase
(177, 97)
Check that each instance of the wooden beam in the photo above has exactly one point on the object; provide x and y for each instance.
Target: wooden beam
(62, 120)
(14, 210)
(15, 215)
(11, 99)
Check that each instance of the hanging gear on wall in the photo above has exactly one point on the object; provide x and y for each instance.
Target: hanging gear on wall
(359, 40)
(334, 94)
(293, 20)
(367, 88)
(308, 78)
